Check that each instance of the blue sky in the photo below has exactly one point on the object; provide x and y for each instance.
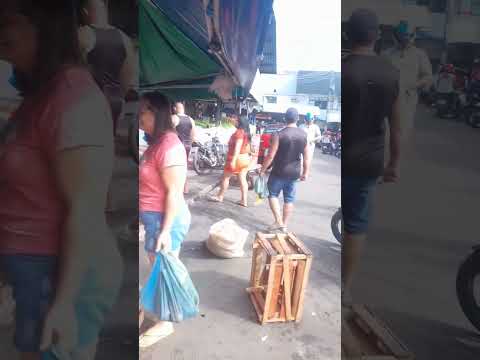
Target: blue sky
(308, 34)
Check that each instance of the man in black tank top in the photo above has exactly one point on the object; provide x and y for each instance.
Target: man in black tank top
(109, 54)
(111, 58)
(185, 127)
(370, 91)
(289, 149)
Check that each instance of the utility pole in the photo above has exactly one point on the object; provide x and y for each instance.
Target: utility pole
(449, 10)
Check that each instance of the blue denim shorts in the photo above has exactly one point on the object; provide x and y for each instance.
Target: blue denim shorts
(34, 279)
(356, 203)
(152, 222)
(277, 185)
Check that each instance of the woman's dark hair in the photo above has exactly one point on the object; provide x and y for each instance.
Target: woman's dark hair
(58, 44)
(162, 110)
(244, 124)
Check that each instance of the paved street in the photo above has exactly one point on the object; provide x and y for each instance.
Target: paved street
(227, 328)
(424, 226)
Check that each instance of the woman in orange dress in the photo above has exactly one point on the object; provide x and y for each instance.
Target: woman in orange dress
(238, 160)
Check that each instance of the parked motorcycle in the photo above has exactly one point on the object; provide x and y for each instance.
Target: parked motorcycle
(326, 145)
(448, 106)
(468, 287)
(472, 110)
(337, 150)
(209, 156)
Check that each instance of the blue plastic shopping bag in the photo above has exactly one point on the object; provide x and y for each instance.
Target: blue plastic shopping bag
(261, 188)
(169, 292)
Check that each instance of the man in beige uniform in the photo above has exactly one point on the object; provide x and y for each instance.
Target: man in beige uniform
(415, 73)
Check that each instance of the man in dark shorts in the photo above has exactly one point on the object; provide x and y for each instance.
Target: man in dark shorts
(370, 89)
(185, 127)
(289, 147)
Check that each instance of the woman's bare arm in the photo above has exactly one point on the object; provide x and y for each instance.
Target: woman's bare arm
(271, 154)
(173, 178)
(83, 175)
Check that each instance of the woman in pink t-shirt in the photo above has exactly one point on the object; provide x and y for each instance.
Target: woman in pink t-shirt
(162, 175)
(56, 160)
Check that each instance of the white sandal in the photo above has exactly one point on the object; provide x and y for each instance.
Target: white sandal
(157, 333)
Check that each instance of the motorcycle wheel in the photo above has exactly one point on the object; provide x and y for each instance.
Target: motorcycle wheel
(133, 141)
(336, 225)
(473, 122)
(200, 166)
(468, 288)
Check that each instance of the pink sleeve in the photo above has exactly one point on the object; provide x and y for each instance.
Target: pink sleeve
(171, 156)
(239, 134)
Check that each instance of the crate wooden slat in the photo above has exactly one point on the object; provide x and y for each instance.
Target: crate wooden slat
(279, 277)
(366, 337)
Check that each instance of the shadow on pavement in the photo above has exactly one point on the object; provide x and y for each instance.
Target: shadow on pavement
(430, 339)
(224, 293)
(245, 218)
(112, 347)
(318, 209)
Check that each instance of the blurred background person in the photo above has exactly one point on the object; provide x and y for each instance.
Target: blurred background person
(185, 127)
(238, 160)
(370, 94)
(313, 134)
(56, 161)
(111, 58)
(415, 72)
(109, 53)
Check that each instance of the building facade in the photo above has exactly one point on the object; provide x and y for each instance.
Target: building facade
(313, 92)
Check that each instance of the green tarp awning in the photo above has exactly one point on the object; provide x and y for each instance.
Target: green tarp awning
(169, 60)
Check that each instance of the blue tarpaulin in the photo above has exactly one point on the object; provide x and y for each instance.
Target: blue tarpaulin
(234, 30)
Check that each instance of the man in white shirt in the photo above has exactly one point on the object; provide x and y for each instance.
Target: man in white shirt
(313, 135)
(415, 72)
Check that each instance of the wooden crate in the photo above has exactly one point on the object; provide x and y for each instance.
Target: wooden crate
(280, 269)
(366, 337)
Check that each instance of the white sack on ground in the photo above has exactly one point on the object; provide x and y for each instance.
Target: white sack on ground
(227, 239)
